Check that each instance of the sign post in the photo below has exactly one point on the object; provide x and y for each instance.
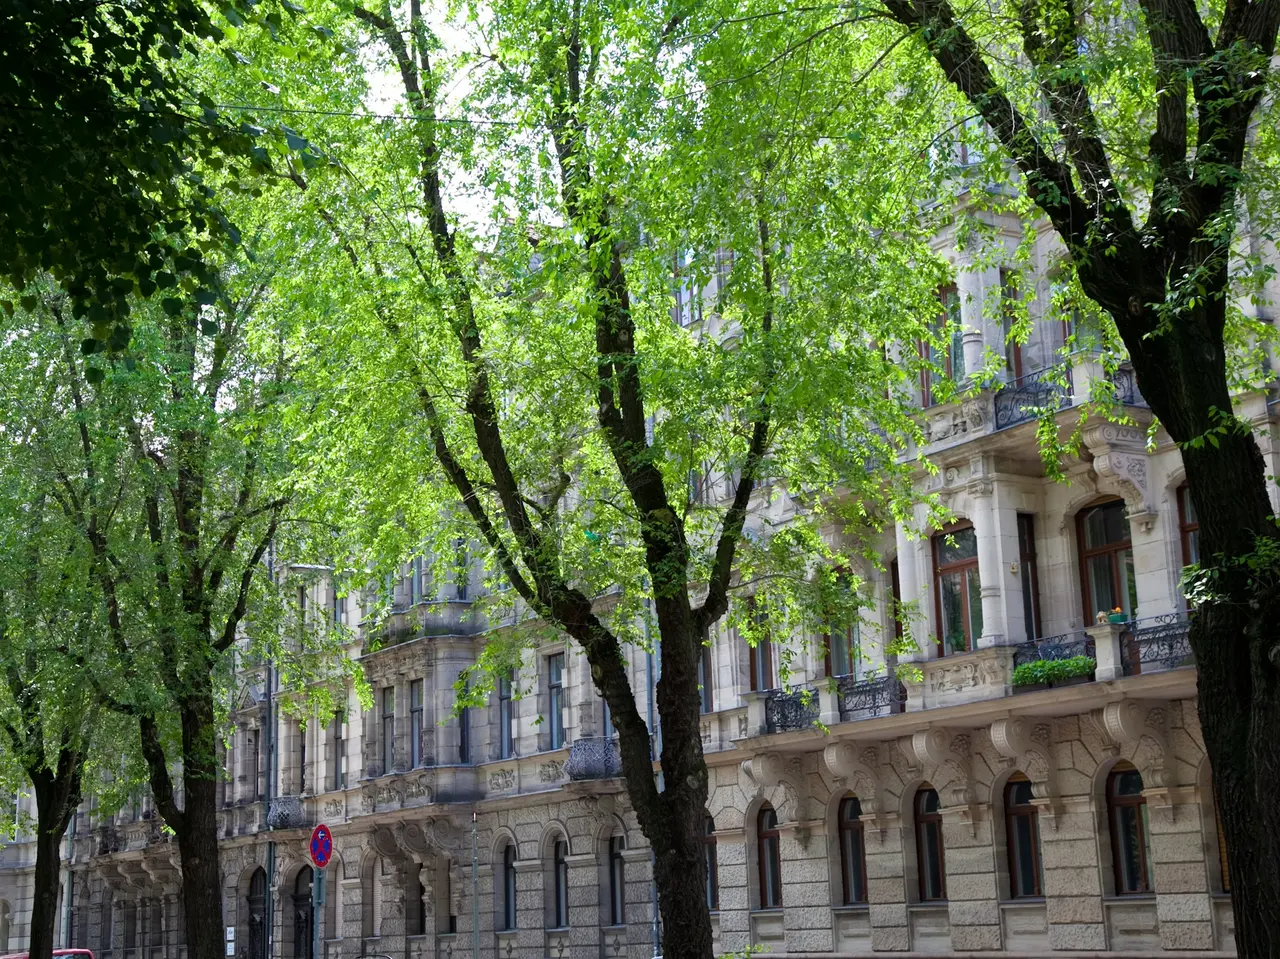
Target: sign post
(321, 852)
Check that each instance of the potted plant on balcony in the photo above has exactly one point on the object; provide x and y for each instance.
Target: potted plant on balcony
(1047, 673)
(1117, 617)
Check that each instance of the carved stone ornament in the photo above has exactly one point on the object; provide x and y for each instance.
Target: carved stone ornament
(1011, 737)
(768, 770)
(551, 772)
(930, 747)
(501, 780)
(419, 787)
(384, 841)
(857, 773)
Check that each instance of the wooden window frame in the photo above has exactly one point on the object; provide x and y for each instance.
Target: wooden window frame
(506, 717)
(768, 847)
(617, 881)
(417, 696)
(959, 566)
(1086, 590)
(555, 701)
(1185, 527)
(1116, 802)
(510, 917)
(922, 820)
(1012, 813)
(854, 826)
(709, 858)
(388, 729)
(760, 657)
(1029, 565)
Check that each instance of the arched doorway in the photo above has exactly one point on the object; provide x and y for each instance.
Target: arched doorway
(303, 918)
(257, 902)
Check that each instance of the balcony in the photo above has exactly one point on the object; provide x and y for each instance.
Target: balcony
(1024, 401)
(866, 698)
(1156, 643)
(1125, 383)
(596, 758)
(1051, 649)
(287, 812)
(789, 710)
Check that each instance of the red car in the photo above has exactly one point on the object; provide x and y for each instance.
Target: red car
(69, 953)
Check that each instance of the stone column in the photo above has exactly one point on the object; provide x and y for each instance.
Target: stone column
(170, 937)
(806, 887)
(1183, 906)
(1109, 651)
(973, 909)
(400, 751)
(639, 902)
(350, 912)
(886, 884)
(117, 924)
(370, 742)
(986, 531)
(969, 283)
(530, 907)
(391, 930)
(909, 585)
(1072, 883)
(735, 900)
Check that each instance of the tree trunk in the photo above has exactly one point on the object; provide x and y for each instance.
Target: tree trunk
(51, 825)
(1233, 634)
(198, 839)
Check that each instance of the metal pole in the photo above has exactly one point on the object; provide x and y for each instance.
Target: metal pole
(475, 892)
(317, 909)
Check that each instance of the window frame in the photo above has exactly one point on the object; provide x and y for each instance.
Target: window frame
(769, 858)
(617, 880)
(853, 875)
(1028, 566)
(339, 778)
(923, 820)
(963, 567)
(416, 697)
(555, 700)
(510, 918)
(1111, 549)
(464, 736)
(1187, 528)
(760, 659)
(1009, 282)
(710, 859)
(560, 883)
(925, 348)
(506, 716)
(388, 729)
(706, 681)
(1115, 803)
(1012, 813)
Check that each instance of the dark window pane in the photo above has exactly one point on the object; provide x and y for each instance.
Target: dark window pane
(957, 546)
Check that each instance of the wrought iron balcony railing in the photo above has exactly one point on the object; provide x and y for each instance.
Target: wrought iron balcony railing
(1156, 643)
(1125, 382)
(596, 758)
(786, 710)
(287, 812)
(865, 698)
(1022, 401)
(1066, 646)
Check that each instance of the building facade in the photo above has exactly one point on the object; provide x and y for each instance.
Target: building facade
(1033, 780)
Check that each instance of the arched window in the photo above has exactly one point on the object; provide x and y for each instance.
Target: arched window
(1022, 839)
(560, 884)
(957, 587)
(930, 866)
(617, 881)
(415, 909)
(303, 917)
(1130, 843)
(257, 904)
(509, 886)
(853, 858)
(1106, 561)
(709, 859)
(770, 857)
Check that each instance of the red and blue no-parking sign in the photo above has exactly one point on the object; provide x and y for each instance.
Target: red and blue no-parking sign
(321, 845)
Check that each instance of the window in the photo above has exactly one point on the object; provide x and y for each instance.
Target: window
(464, 736)
(509, 886)
(415, 724)
(606, 719)
(710, 861)
(1106, 560)
(302, 603)
(1189, 527)
(1009, 317)
(339, 609)
(339, 752)
(770, 857)
(555, 689)
(688, 297)
(560, 883)
(415, 909)
(1130, 842)
(706, 701)
(949, 359)
(760, 656)
(895, 590)
(1022, 839)
(853, 859)
(617, 881)
(255, 767)
(461, 569)
(302, 759)
(506, 718)
(958, 589)
(388, 727)
(416, 575)
(844, 650)
(930, 866)
(1030, 577)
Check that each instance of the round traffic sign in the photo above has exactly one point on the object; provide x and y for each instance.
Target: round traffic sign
(321, 845)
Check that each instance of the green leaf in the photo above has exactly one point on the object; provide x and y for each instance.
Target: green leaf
(171, 305)
(94, 375)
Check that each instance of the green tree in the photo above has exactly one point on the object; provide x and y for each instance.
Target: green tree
(165, 472)
(516, 374)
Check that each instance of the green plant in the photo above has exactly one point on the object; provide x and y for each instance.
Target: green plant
(1053, 670)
